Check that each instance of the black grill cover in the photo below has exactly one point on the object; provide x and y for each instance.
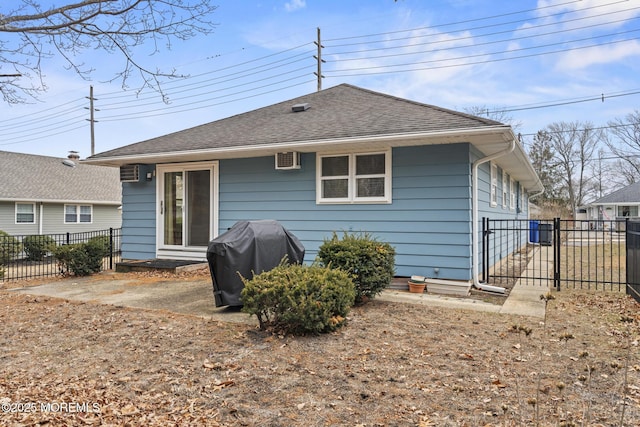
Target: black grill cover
(248, 247)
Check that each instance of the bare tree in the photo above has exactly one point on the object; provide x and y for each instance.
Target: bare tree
(603, 175)
(31, 34)
(497, 114)
(624, 141)
(573, 146)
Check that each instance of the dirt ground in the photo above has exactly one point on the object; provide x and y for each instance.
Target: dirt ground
(393, 364)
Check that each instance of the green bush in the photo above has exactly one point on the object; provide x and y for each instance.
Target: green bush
(82, 259)
(73, 259)
(97, 248)
(10, 247)
(299, 299)
(36, 247)
(370, 262)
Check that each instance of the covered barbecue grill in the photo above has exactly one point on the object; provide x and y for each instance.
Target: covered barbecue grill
(248, 247)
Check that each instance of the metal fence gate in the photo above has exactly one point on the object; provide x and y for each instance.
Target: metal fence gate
(561, 253)
(633, 259)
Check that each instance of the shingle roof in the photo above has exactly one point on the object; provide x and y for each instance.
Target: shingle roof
(40, 178)
(628, 194)
(343, 111)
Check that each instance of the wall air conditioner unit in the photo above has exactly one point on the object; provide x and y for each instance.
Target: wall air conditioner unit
(288, 160)
(129, 173)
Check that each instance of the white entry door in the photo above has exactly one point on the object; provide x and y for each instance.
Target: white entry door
(187, 200)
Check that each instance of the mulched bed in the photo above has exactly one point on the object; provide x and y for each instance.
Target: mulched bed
(71, 363)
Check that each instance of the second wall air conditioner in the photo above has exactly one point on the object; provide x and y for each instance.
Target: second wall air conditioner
(288, 160)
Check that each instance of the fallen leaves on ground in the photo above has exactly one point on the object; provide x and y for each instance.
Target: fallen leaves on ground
(391, 365)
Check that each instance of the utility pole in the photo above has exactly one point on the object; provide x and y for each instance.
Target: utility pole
(320, 61)
(92, 120)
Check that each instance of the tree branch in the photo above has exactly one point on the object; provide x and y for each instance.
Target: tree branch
(113, 26)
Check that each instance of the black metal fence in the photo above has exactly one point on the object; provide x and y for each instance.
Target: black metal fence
(559, 253)
(633, 259)
(29, 256)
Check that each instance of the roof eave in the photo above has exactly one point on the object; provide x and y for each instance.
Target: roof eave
(487, 139)
(59, 201)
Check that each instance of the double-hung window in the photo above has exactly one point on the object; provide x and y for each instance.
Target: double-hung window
(494, 185)
(354, 178)
(505, 189)
(25, 213)
(74, 214)
(512, 193)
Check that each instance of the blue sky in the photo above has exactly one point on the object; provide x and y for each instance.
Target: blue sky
(521, 56)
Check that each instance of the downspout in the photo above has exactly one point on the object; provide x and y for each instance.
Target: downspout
(40, 219)
(474, 219)
(529, 203)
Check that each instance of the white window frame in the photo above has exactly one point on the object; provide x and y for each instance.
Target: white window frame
(33, 212)
(512, 193)
(494, 184)
(78, 214)
(352, 179)
(505, 189)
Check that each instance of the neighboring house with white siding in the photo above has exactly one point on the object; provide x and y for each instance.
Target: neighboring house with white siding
(51, 195)
(620, 204)
(342, 159)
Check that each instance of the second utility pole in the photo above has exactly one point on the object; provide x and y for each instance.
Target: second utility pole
(92, 121)
(320, 61)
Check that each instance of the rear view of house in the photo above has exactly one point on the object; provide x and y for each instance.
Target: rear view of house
(343, 159)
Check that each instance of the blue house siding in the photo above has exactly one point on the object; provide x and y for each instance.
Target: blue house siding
(428, 221)
(139, 217)
(504, 242)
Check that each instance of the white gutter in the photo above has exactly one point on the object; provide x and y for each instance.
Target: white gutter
(393, 140)
(474, 218)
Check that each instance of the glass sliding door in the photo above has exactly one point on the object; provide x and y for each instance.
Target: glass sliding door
(198, 207)
(173, 203)
(186, 198)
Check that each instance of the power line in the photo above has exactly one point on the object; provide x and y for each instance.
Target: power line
(248, 75)
(476, 44)
(500, 24)
(170, 83)
(456, 23)
(602, 97)
(163, 112)
(468, 57)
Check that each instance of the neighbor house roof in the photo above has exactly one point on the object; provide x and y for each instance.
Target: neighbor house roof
(628, 194)
(28, 177)
(339, 118)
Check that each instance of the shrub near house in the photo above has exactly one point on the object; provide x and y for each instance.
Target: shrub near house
(36, 246)
(299, 299)
(82, 259)
(370, 262)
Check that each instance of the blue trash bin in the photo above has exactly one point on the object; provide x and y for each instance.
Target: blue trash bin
(534, 231)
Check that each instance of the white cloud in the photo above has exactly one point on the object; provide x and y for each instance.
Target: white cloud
(608, 54)
(293, 5)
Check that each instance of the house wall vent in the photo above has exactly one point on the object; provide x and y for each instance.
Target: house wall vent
(129, 173)
(300, 107)
(288, 160)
